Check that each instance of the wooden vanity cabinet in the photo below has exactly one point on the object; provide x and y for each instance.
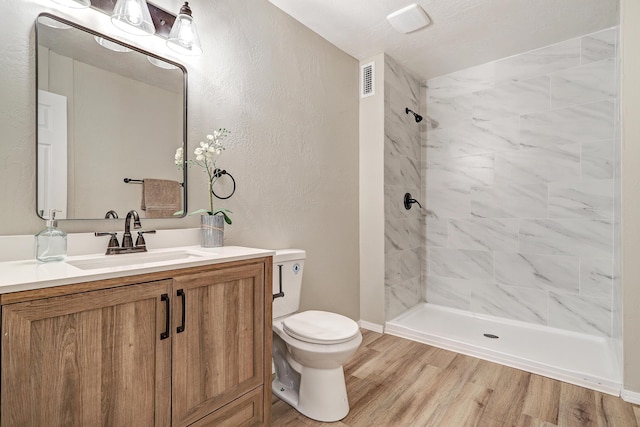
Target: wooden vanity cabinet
(108, 357)
(220, 354)
(89, 359)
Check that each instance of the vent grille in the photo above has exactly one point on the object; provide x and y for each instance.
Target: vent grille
(367, 79)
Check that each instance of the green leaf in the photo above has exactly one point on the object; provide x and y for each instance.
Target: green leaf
(226, 218)
(200, 211)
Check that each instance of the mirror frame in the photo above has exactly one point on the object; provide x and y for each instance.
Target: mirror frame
(134, 48)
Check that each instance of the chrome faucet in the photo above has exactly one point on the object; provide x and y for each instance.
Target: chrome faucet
(127, 241)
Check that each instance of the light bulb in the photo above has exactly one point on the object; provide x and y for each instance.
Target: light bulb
(133, 17)
(183, 37)
(134, 14)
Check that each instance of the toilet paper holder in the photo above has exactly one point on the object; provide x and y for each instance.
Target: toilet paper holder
(281, 293)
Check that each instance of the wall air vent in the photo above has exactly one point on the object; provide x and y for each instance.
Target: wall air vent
(367, 80)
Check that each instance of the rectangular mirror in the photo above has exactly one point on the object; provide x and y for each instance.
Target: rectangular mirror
(109, 116)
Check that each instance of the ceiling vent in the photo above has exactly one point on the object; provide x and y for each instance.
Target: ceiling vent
(367, 79)
(409, 19)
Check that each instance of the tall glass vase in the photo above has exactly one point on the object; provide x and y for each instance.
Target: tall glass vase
(211, 231)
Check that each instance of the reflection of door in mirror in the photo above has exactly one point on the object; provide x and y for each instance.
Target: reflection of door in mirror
(52, 154)
(125, 118)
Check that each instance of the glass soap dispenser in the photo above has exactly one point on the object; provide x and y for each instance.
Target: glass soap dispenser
(51, 243)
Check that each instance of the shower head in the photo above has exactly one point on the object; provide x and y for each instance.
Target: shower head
(416, 115)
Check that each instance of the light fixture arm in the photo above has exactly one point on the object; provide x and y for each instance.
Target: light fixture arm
(185, 9)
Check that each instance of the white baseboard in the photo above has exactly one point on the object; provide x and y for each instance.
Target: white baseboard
(630, 396)
(371, 326)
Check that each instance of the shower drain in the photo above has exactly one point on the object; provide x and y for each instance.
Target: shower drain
(493, 337)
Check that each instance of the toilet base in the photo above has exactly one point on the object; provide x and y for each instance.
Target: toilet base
(322, 395)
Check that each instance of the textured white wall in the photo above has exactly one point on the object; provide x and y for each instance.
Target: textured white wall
(291, 101)
(630, 100)
(372, 217)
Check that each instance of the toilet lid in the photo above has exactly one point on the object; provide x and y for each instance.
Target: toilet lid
(320, 327)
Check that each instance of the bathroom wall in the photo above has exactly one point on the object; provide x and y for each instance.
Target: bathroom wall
(404, 246)
(371, 200)
(520, 168)
(630, 154)
(288, 96)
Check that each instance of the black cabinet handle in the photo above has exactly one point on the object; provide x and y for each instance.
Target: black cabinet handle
(184, 310)
(164, 335)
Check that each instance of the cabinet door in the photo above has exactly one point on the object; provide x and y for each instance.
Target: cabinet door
(220, 354)
(89, 359)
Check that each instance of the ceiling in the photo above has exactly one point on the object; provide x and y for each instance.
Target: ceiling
(462, 33)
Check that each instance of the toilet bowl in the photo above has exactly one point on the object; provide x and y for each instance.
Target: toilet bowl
(309, 348)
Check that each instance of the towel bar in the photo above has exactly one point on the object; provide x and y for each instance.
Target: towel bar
(140, 181)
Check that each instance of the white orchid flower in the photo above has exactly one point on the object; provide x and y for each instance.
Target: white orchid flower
(179, 157)
(205, 157)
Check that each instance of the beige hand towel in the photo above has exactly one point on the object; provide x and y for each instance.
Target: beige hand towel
(161, 198)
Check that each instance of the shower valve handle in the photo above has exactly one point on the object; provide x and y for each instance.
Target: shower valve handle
(408, 201)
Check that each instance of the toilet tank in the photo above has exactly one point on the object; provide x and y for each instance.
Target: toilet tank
(292, 262)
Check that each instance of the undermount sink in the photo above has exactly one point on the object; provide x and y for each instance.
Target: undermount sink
(124, 260)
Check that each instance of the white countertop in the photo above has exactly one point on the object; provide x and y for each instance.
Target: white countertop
(32, 274)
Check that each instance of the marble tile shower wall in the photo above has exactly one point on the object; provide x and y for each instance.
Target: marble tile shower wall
(520, 179)
(404, 232)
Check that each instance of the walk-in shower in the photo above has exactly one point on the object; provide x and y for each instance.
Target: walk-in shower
(515, 257)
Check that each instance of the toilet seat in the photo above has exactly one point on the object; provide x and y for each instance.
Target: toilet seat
(320, 327)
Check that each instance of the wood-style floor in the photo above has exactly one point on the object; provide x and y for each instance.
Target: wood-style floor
(396, 382)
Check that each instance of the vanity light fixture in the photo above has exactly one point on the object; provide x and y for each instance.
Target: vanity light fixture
(76, 4)
(133, 17)
(139, 17)
(183, 37)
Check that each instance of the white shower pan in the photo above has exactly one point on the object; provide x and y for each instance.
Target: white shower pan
(572, 357)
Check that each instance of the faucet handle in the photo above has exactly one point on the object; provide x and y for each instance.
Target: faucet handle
(140, 240)
(113, 242)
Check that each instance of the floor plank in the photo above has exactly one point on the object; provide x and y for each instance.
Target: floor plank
(614, 412)
(396, 382)
(468, 407)
(507, 403)
(541, 400)
(577, 406)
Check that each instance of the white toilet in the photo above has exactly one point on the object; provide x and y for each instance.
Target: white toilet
(309, 348)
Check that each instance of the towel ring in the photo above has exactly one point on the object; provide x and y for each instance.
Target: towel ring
(218, 173)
